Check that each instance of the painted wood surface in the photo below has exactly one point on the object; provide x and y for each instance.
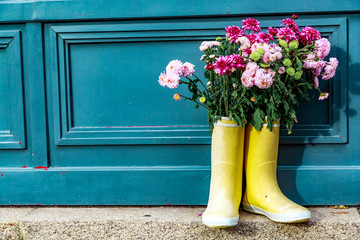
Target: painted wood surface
(84, 122)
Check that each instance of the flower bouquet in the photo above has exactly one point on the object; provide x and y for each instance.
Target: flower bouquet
(254, 78)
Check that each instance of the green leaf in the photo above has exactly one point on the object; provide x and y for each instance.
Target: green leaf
(258, 117)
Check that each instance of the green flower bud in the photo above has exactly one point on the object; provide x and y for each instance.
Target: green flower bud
(287, 62)
(294, 44)
(255, 56)
(298, 74)
(290, 71)
(261, 51)
(283, 43)
(218, 39)
(263, 65)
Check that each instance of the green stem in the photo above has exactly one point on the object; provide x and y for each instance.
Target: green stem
(195, 101)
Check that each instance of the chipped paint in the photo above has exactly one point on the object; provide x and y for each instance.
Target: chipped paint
(41, 167)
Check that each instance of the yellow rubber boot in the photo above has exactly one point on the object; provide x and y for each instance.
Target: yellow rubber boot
(227, 150)
(262, 194)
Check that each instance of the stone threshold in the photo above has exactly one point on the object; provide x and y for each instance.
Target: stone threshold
(168, 222)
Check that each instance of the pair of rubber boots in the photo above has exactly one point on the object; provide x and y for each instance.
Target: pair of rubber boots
(262, 193)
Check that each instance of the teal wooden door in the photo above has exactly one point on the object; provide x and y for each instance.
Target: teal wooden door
(85, 122)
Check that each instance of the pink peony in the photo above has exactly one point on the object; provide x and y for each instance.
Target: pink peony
(322, 48)
(319, 67)
(234, 32)
(224, 65)
(247, 80)
(308, 34)
(262, 79)
(187, 69)
(163, 78)
(273, 31)
(251, 24)
(251, 68)
(287, 34)
(309, 62)
(174, 67)
(330, 69)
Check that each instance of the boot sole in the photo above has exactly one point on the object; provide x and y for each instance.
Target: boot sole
(297, 217)
(219, 222)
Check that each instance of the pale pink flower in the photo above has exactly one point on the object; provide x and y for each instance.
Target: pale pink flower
(330, 69)
(281, 70)
(271, 72)
(319, 67)
(263, 80)
(255, 47)
(243, 40)
(323, 96)
(172, 80)
(272, 57)
(322, 48)
(247, 80)
(251, 68)
(187, 69)
(309, 62)
(251, 24)
(266, 57)
(278, 55)
(174, 66)
(163, 78)
(316, 82)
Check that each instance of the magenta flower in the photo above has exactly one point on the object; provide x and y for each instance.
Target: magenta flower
(290, 23)
(251, 24)
(308, 34)
(210, 66)
(252, 38)
(234, 32)
(294, 16)
(224, 65)
(287, 34)
(273, 31)
(264, 37)
(238, 61)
